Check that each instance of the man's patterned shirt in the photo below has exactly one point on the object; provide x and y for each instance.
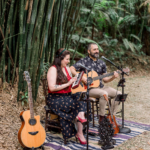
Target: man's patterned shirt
(99, 66)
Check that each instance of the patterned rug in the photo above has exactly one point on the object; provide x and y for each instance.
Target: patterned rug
(55, 141)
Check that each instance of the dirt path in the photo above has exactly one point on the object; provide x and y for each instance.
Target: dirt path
(137, 108)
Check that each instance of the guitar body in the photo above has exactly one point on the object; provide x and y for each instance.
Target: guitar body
(114, 123)
(82, 87)
(31, 135)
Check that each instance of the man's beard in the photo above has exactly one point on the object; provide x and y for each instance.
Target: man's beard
(95, 55)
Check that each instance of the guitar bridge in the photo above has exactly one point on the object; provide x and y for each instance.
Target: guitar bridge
(33, 133)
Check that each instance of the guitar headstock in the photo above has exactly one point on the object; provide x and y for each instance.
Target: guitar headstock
(27, 77)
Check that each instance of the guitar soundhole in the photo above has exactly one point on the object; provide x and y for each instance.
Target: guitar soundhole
(32, 122)
(90, 80)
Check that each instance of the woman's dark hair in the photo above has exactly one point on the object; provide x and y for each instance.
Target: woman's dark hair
(59, 56)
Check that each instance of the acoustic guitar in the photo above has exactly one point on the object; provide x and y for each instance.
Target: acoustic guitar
(94, 80)
(31, 133)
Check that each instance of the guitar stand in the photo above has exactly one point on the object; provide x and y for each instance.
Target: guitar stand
(25, 148)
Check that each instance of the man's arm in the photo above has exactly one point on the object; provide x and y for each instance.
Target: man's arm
(109, 79)
(73, 71)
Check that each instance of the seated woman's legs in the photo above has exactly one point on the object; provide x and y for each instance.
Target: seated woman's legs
(80, 107)
(81, 115)
(79, 134)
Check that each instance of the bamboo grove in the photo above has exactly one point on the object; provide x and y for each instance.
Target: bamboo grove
(30, 32)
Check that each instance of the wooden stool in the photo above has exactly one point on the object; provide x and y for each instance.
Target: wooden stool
(94, 101)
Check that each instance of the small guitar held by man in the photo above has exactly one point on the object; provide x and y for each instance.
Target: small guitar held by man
(31, 134)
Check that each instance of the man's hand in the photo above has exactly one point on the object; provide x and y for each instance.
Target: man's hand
(84, 79)
(116, 75)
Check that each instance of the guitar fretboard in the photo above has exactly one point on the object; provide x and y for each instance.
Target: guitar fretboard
(103, 76)
(30, 101)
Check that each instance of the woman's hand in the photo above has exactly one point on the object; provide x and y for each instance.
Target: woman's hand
(71, 81)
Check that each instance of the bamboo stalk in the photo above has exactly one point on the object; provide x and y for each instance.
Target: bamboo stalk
(36, 36)
(21, 19)
(59, 25)
(48, 17)
(30, 10)
(3, 15)
(0, 9)
(142, 26)
(74, 25)
(31, 29)
(66, 24)
(9, 61)
(36, 39)
(6, 36)
(21, 16)
(55, 18)
(7, 47)
(16, 56)
(26, 26)
(13, 30)
(48, 47)
(4, 80)
(66, 12)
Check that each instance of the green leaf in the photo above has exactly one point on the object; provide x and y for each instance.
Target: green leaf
(86, 11)
(136, 37)
(113, 42)
(91, 41)
(72, 50)
(22, 97)
(76, 38)
(131, 46)
(126, 43)
(22, 103)
(26, 94)
(148, 28)
(104, 42)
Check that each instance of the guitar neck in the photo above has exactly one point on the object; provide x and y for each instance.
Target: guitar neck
(103, 76)
(30, 102)
(110, 111)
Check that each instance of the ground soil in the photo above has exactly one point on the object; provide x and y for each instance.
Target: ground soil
(137, 108)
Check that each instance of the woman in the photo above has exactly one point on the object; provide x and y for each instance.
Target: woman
(60, 99)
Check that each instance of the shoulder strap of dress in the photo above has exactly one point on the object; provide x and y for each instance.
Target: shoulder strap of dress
(66, 71)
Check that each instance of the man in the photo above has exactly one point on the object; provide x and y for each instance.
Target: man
(93, 63)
